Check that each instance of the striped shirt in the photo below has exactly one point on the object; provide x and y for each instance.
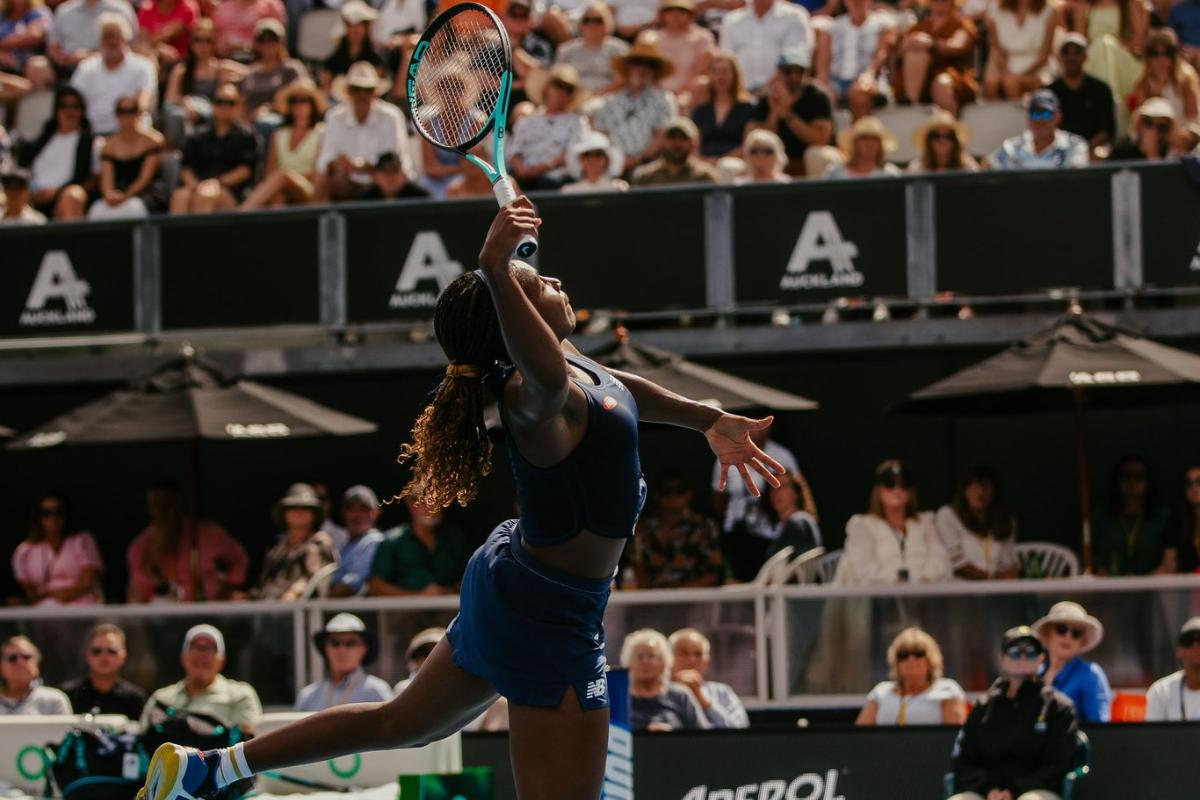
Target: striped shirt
(631, 121)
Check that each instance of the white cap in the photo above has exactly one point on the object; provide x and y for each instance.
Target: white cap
(197, 631)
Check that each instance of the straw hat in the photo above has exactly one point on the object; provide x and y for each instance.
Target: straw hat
(866, 126)
(594, 140)
(300, 495)
(644, 49)
(1068, 613)
(361, 75)
(941, 118)
(683, 5)
(300, 86)
(538, 80)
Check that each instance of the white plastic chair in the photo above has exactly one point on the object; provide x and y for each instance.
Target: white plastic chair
(805, 567)
(828, 566)
(314, 40)
(902, 121)
(32, 112)
(318, 584)
(991, 123)
(769, 573)
(1056, 560)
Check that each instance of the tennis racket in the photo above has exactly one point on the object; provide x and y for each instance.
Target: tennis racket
(458, 88)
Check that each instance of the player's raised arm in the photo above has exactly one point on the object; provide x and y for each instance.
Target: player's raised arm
(535, 349)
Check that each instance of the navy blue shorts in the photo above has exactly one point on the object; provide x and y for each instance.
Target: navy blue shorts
(528, 629)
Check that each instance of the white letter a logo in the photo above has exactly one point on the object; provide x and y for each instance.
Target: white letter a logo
(428, 260)
(56, 279)
(820, 240)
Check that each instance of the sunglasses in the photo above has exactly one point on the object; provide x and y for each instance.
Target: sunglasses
(761, 151)
(893, 481)
(1020, 651)
(224, 101)
(70, 107)
(126, 111)
(13, 658)
(1163, 127)
(1067, 630)
(50, 512)
(569, 88)
(104, 651)
(267, 37)
(1041, 116)
(942, 136)
(346, 643)
(594, 154)
(1194, 483)
(1157, 53)
(592, 21)
(1190, 639)
(424, 651)
(905, 655)
(296, 100)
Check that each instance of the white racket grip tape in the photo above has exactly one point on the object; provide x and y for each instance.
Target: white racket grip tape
(503, 189)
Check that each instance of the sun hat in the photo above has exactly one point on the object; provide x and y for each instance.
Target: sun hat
(538, 80)
(941, 118)
(348, 623)
(361, 75)
(300, 86)
(645, 48)
(300, 495)
(1069, 613)
(424, 638)
(356, 11)
(866, 126)
(595, 140)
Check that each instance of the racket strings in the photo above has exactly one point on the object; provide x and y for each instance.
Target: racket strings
(458, 82)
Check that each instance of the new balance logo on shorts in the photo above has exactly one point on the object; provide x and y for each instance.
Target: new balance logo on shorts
(595, 689)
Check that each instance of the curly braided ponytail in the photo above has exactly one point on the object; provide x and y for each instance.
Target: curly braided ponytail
(450, 448)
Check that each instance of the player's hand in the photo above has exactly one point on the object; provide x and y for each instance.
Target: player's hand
(729, 438)
(512, 224)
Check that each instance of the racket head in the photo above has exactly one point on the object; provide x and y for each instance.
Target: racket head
(459, 77)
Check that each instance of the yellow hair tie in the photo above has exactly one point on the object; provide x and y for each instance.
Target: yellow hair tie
(462, 371)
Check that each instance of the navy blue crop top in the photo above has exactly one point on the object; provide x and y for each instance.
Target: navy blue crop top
(599, 486)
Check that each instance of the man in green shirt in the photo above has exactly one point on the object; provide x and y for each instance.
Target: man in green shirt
(420, 557)
(203, 688)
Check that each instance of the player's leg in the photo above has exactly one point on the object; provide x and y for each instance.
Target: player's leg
(558, 753)
(441, 699)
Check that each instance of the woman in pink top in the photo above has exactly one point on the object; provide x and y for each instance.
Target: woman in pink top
(179, 557)
(166, 26)
(55, 567)
(235, 21)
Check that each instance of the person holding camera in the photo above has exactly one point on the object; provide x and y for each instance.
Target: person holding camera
(894, 542)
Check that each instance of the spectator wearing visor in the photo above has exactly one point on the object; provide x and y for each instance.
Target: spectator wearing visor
(894, 542)
(1176, 698)
(1068, 632)
(679, 162)
(347, 648)
(595, 165)
(1019, 742)
(1044, 145)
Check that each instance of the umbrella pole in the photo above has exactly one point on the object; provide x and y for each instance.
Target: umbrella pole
(193, 518)
(1085, 492)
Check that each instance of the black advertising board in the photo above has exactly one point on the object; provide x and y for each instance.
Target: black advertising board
(640, 251)
(1005, 233)
(400, 256)
(1170, 227)
(633, 252)
(240, 271)
(879, 763)
(66, 280)
(802, 243)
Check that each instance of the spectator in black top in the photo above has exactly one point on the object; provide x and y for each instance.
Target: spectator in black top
(1019, 741)
(801, 112)
(356, 44)
(388, 181)
(724, 118)
(793, 513)
(1189, 530)
(103, 690)
(1151, 132)
(1088, 109)
(218, 159)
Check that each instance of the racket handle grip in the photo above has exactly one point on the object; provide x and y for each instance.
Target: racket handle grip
(503, 189)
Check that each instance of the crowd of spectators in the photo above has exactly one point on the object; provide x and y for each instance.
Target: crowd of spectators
(197, 106)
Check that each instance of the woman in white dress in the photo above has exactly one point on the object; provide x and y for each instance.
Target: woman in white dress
(917, 693)
(978, 530)
(1022, 33)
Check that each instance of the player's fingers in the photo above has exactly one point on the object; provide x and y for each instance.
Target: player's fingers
(766, 473)
(770, 462)
(522, 202)
(750, 484)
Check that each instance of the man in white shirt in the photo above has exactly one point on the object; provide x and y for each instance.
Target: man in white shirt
(357, 133)
(75, 34)
(1176, 698)
(113, 73)
(759, 33)
(1044, 145)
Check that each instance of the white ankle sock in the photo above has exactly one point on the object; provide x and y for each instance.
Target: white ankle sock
(232, 767)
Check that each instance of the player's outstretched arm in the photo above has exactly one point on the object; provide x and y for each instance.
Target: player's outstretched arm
(535, 350)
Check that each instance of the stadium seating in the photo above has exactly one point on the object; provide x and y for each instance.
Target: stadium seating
(1045, 560)
(805, 567)
(991, 123)
(1129, 707)
(32, 112)
(316, 37)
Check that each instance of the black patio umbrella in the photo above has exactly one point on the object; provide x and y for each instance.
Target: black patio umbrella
(190, 399)
(687, 378)
(1078, 362)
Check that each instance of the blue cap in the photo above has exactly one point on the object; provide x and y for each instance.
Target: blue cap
(1044, 100)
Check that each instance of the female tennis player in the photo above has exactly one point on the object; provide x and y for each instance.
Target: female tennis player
(533, 596)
